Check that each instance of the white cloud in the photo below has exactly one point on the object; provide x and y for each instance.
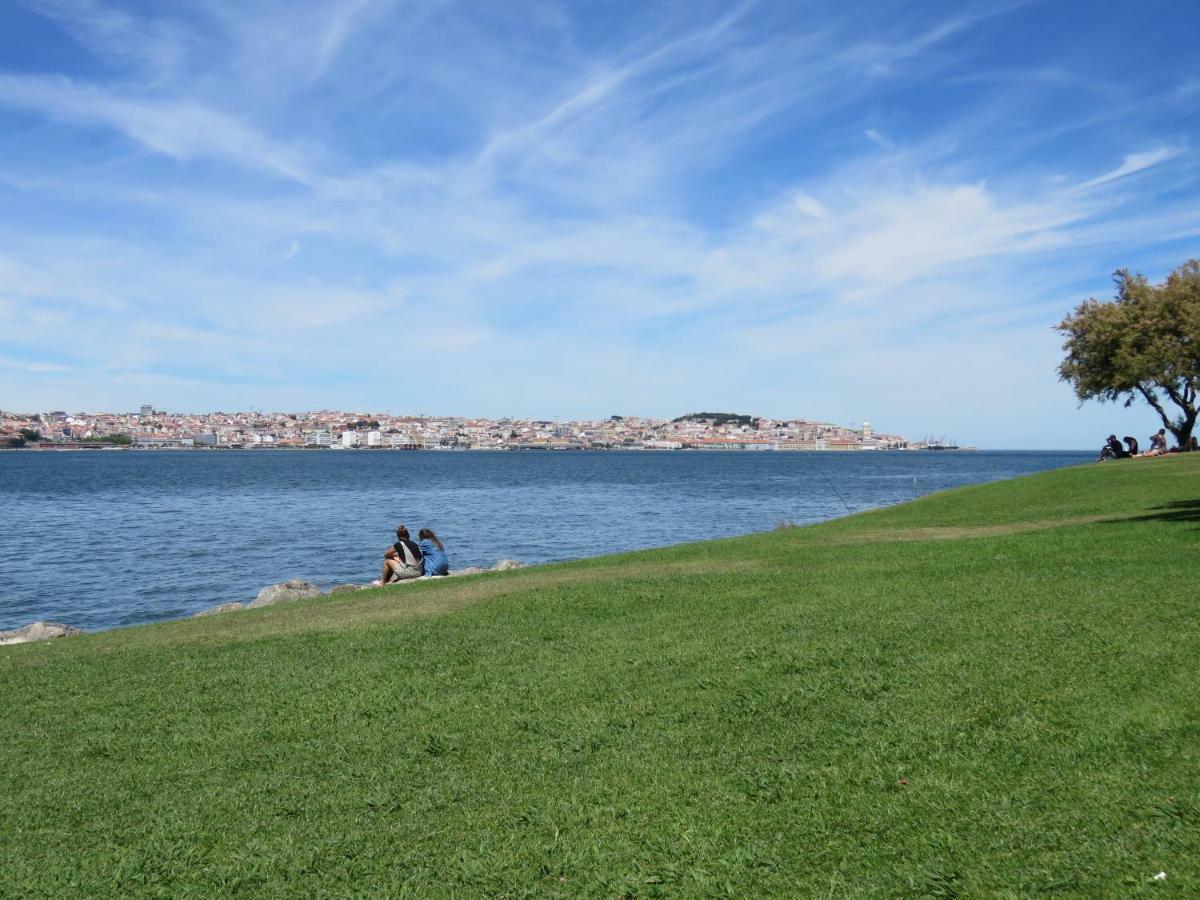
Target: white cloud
(180, 129)
(156, 47)
(878, 139)
(339, 27)
(34, 367)
(598, 213)
(1131, 165)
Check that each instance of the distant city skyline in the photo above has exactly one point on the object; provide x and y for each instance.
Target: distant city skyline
(549, 209)
(151, 428)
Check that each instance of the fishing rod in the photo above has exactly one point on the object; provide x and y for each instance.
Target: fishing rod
(832, 486)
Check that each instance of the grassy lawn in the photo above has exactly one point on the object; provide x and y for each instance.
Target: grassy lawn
(991, 691)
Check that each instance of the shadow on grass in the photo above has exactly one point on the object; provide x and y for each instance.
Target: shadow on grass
(1182, 511)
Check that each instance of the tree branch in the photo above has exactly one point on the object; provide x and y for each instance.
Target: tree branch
(1174, 394)
(1150, 397)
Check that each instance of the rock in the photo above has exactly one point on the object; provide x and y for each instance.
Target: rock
(284, 593)
(38, 631)
(347, 588)
(221, 607)
(504, 565)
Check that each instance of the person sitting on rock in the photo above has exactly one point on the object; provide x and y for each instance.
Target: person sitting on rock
(402, 560)
(433, 553)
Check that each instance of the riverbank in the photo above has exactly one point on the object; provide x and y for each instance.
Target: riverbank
(170, 534)
(988, 690)
(272, 595)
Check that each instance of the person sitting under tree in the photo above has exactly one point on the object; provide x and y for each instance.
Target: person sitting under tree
(1158, 443)
(1112, 449)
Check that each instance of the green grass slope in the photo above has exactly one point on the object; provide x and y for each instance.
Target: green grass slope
(989, 691)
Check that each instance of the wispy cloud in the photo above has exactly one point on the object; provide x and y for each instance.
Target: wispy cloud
(1132, 164)
(37, 368)
(179, 129)
(155, 48)
(878, 139)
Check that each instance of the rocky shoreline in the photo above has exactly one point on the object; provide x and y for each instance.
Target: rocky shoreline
(284, 592)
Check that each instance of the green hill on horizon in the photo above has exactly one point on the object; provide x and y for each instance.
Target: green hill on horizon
(719, 418)
(988, 691)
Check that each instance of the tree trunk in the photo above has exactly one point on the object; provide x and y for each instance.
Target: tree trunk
(1186, 424)
(1181, 427)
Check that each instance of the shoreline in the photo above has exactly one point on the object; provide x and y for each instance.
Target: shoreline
(272, 595)
(103, 606)
(730, 449)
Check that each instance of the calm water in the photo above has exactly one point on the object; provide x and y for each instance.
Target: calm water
(102, 539)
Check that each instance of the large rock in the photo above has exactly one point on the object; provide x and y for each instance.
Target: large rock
(284, 593)
(504, 565)
(38, 631)
(222, 607)
(469, 570)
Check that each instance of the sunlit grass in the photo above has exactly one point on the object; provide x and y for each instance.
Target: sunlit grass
(988, 691)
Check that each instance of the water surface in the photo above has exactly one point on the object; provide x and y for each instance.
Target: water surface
(100, 539)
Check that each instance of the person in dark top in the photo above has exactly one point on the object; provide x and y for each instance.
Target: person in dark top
(1131, 445)
(1112, 449)
(402, 561)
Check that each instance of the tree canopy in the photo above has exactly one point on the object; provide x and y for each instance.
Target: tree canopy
(1144, 344)
(719, 418)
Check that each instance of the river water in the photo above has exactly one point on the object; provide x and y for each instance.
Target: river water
(102, 539)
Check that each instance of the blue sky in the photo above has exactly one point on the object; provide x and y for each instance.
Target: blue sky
(841, 211)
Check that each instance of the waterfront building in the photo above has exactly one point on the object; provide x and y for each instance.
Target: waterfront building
(318, 438)
(161, 442)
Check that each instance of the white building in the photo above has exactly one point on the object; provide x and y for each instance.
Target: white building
(349, 439)
(374, 439)
(318, 438)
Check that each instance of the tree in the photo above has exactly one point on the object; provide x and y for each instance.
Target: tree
(1143, 344)
(31, 434)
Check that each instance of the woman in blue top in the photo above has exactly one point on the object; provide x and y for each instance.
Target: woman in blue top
(433, 554)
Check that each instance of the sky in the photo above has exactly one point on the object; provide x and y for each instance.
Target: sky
(836, 211)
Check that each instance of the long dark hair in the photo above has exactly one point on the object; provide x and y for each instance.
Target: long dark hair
(426, 534)
(402, 532)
